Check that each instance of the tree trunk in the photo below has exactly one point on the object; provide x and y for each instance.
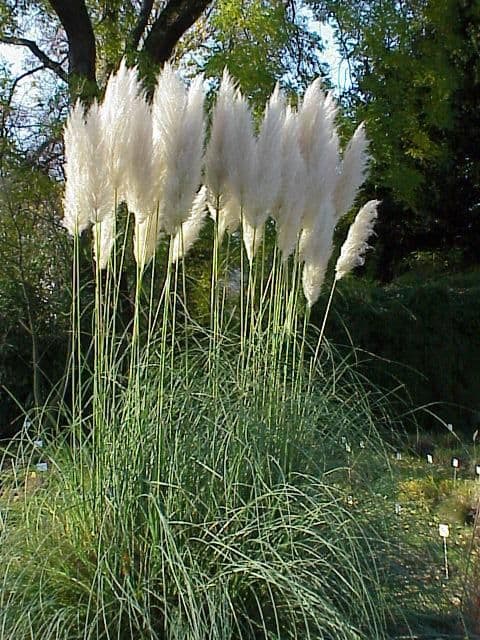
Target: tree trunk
(177, 17)
(82, 53)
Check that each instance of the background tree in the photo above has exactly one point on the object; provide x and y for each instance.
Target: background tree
(145, 30)
(415, 77)
(262, 43)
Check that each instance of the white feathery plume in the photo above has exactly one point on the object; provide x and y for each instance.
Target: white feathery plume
(331, 110)
(308, 114)
(229, 215)
(218, 154)
(266, 176)
(167, 110)
(316, 246)
(220, 157)
(313, 277)
(352, 253)
(179, 131)
(168, 103)
(75, 203)
(89, 194)
(353, 171)
(116, 112)
(319, 147)
(241, 145)
(146, 238)
(252, 238)
(103, 239)
(139, 182)
(290, 204)
(190, 230)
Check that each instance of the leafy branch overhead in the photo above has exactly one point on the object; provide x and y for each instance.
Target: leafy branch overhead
(150, 33)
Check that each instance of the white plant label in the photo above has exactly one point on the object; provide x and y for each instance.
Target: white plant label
(455, 463)
(444, 532)
(429, 458)
(38, 443)
(42, 466)
(477, 469)
(398, 455)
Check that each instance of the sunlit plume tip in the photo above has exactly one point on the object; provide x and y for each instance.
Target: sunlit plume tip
(353, 250)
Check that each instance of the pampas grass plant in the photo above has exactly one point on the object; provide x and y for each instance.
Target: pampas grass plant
(197, 489)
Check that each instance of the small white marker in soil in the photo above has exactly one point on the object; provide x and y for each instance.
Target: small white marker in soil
(429, 458)
(42, 466)
(455, 465)
(477, 470)
(444, 532)
(398, 455)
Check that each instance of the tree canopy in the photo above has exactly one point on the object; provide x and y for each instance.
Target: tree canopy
(415, 78)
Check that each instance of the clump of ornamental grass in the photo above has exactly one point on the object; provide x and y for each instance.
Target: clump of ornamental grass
(199, 485)
(210, 525)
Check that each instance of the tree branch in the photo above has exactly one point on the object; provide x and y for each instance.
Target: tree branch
(176, 18)
(81, 39)
(139, 29)
(6, 108)
(54, 66)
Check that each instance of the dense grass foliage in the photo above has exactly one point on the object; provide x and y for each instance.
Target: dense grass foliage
(229, 518)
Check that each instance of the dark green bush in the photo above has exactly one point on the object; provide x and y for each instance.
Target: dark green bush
(425, 334)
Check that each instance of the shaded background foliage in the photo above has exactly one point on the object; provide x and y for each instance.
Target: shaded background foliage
(423, 334)
(415, 79)
(413, 74)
